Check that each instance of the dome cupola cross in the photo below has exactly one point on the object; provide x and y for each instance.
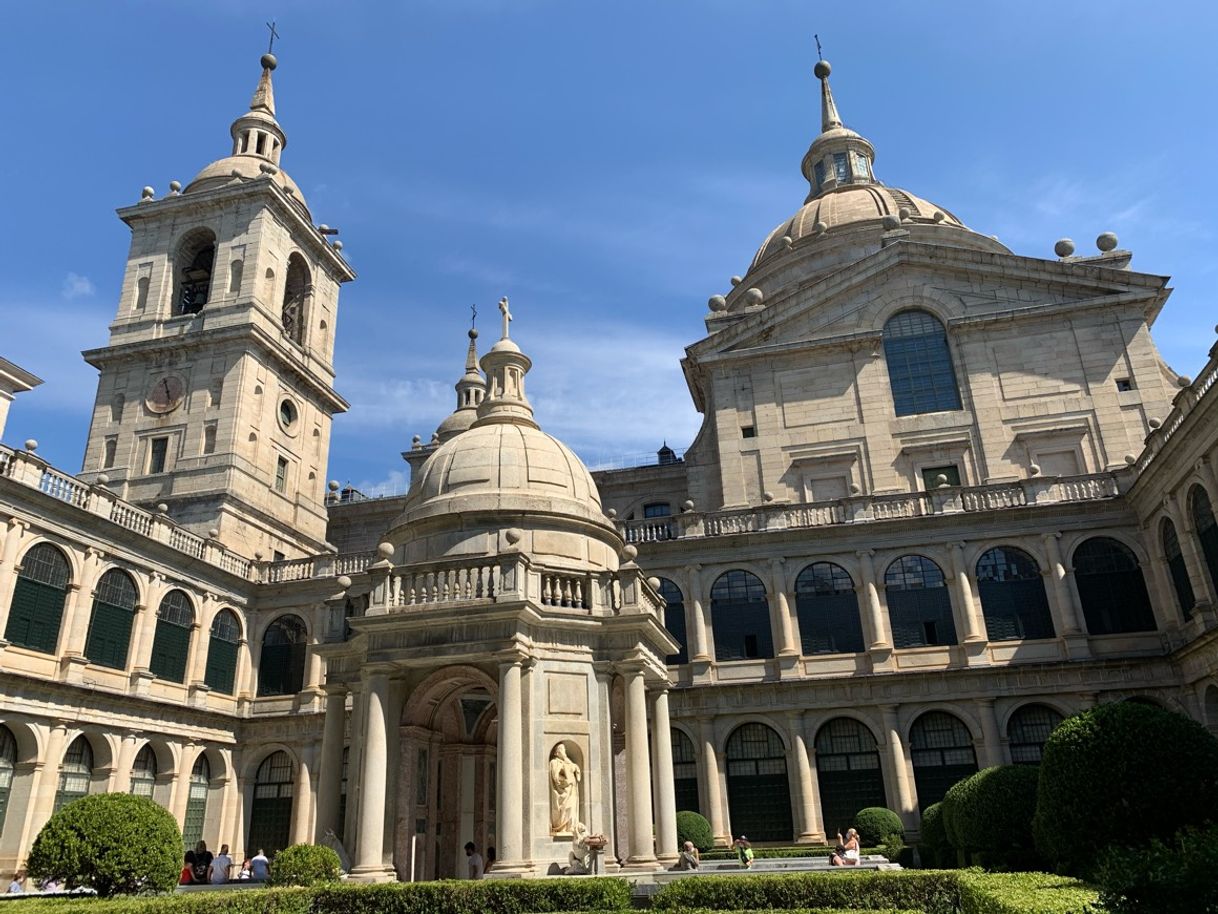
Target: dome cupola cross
(838, 157)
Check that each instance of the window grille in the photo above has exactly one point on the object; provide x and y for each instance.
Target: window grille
(919, 606)
(942, 751)
(1111, 588)
(1027, 731)
(740, 617)
(1013, 599)
(848, 772)
(271, 813)
(674, 618)
(282, 661)
(143, 773)
(828, 610)
(196, 803)
(75, 774)
(920, 370)
(759, 798)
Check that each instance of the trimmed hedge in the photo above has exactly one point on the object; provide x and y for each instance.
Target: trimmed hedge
(1120, 771)
(933, 847)
(113, 843)
(515, 896)
(1026, 893)
(1161, 877)
(692, 826)
(252, 901)
(988, 817)
(305, 864)
(876, 824)
(774, 853)
(922, 890)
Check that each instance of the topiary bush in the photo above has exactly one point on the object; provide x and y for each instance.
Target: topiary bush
(1118, 772)
(113, 843)
(933, 847)
(1175, 876)
(475, 896)
(875, 825)
(919, 890)
(991, 817)
(949, 806)
(305, 864)
(693, 827)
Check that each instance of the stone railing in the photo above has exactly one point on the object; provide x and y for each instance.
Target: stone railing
(1186, 401)
(873, 508)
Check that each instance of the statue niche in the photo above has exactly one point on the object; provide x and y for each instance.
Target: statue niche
(565, 777)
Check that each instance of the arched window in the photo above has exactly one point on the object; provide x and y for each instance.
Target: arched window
(942, 750)
(36, 611)
(110, 625)
(674, 618)
(828, 610)
(758, 794)
(75, 774)
(1111, 588)
(174, 621)
(195, 262)
(295, 288)
(271, 816)
(919, 607)
(740, 617)
(684, 772)
(1185, 598)
(920, 368)
(1207, 530)
(1013, 597)
(281, 664)
(222, 646)
(847, 771)
(1027, 731)
(196, 802)
(143, 772)
(341, 826)
(8, 764)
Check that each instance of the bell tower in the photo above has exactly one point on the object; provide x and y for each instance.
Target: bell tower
(216, 389)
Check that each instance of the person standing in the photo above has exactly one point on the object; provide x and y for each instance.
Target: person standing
(476, 867)
(744, 852)
(220, 866)
(260, 867)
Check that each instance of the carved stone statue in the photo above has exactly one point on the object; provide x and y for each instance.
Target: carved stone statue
(564, 792)
(579, 860)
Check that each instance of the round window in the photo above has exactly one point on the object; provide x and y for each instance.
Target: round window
(287, 413)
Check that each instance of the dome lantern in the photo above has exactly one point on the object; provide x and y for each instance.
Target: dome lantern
(838, 157)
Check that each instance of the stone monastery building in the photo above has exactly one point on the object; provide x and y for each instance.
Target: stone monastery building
(943, 496)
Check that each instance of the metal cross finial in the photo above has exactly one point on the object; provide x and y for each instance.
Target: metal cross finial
(507, 315)
(473, 318)
(270, 48)
(819, 54)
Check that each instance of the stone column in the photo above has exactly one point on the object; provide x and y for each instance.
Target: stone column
(369, 848)
(974, 624)
(665, 795)
(638, 774)
(8, 567)
(144, 628)
(808, 827)
(1066, 614)
(509, 821)
(696, 621)
(181, 785)
(709, 779)
(875, 627)
(78, 607)
(302, 796)
(902, 775)
(1190, 548)
(781, 621)
(43, 800)
(991, 735)
(121, 781)
(330, 776)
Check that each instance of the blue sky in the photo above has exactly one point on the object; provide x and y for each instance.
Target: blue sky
(607, 165)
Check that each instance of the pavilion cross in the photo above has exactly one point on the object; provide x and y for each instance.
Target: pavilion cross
(473, 318)
(270, 48)
(819, 54)
(507, 315)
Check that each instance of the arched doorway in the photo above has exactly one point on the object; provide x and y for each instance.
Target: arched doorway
(847, 772)
(271, 814)
(943, 754)
(758, 792)
(196, 802)
(447, 757)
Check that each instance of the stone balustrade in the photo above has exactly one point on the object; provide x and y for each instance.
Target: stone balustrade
(873, 508)
(1185, 402)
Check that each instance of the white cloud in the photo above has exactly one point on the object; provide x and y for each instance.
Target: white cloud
(77, 286)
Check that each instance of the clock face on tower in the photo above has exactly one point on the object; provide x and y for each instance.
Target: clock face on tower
(166, 394)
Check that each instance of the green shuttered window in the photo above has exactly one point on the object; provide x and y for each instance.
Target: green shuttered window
(36, 611)
(113, 614)
(221, 672)
(281, 663)
(171, 644)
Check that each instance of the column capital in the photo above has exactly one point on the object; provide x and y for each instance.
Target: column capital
(378, 669)
(865, 553)
(984, 702)
(1051, 535)
(693, 568)
(94, 553)
(16, 523)
(335, 690)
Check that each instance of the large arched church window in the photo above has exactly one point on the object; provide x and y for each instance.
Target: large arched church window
(8, 765)
(758, 793)
(36, 611)
(1181, 584)
(920, 370)
(1028, 730)
(828, 610)
(75, 773)
(196, 802)
(271, 812)
(110, 624)
(740, 617)
(1013, 598)
(684, 772)
(295, 288)
(195, 262)
(847, 772)
(282, 661)
(919, 607)
(175, 620)
(1207, 530)
(221, 671)
(1111, 588)
(674, 618)
(144, 772)
(942, 750)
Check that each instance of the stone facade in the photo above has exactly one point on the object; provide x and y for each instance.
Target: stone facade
(943, 496)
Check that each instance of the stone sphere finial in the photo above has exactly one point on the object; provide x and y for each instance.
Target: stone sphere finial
(338, 245)
(385, 550)
(786, 241)
(939, 216)
(147, 193)
(822, 69)
(269, 61)
(1130, 459)
(653, 583)
(1064, 247)
(513, 535)
(891, 222)
(162, 508)
(213, 533)
(819, 228)
(1034, 469)
(736, 280)
(630, 552)
(1154, 422)
(343, 582)
(611, 513)
(903, 214)
(416, 441)
(258, 556)
(687, 505)
(1184, 381)
(175, 187)
(31, 444)
(855, 489)
(717, 303)
(753, 296)
(333, 485)
(767, 496)
(941, 481)
(1106, 242)
(102, 479)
